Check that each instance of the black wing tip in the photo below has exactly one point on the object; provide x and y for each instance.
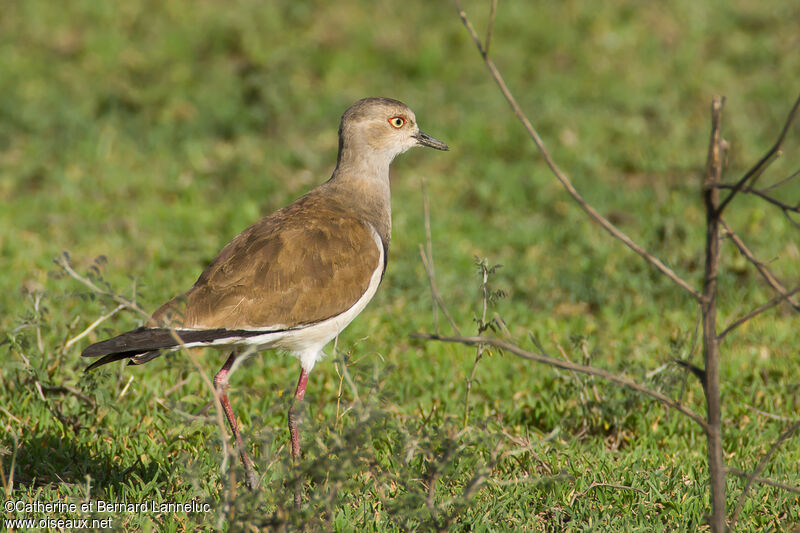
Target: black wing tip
(110, 358)
(144, 344)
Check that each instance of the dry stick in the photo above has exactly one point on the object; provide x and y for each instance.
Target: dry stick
(765, 481)
(708, 306)
(527, 447)
(560, 176)
(568, 365)
(757, 311)
(65, 389)
(8, 483)
(490, 27)
(349, 379)
(175, 387)
(760, 266)
(769, 415)
(784, 181)
(597, 485)
(759, 167)
(785, 207)
(435, 290)
(479, 347)
(477, 481)
(63, 262)
(426, 215)
(427, 262)
(92, 326)
(761, 464)
(718, 487)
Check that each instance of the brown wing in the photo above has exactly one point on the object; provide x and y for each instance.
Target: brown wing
(310, 261)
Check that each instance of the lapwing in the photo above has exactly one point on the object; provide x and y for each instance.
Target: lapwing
(296, 278)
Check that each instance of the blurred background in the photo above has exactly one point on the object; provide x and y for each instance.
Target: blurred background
(152, 132)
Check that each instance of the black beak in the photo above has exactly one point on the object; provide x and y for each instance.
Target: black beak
(423, 139)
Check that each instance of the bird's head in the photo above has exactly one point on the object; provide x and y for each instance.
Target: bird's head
(384, 127)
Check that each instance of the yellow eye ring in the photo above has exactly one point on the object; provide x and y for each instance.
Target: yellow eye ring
(397, 122)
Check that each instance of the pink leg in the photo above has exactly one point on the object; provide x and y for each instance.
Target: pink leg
(221, 384)
(299, 394)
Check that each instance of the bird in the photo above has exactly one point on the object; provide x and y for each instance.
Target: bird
(295, 279)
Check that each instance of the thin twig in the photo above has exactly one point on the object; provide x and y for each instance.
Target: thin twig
(66, 389)
(765, 481)
(124, 390)
(490, 27)
(757, 311)
(785, 207)
(175, 387)
(427, 257)
(567, 365)
(760, 266)
(560, 176)
(92, 326)
(32, 371)
(349, 379)
(482, 326)
(759, 167)
(760, 467)
(37, 300)
(8, 414)
(427, 262)
(63, 262)
(8, 483)
(527, 446)
(769, 415)
(435, 290)
(595, 485)
(784, 181)
(477, 481)
(708, 307)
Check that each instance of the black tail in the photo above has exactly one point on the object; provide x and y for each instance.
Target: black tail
(143, 344)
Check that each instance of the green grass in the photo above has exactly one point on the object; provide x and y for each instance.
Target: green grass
(152, 132)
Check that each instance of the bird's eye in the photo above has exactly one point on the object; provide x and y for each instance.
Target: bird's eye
(397, 122)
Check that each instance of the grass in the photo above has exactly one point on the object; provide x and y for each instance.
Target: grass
(152, 132)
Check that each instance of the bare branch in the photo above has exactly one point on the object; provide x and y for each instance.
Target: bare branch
(765, 481)
(757, 311)
(526, 446)
(63, 262)
(567, 365)
(491, 25)
(764, 162)
(708, 308)
(427, 262)
(783, 206)
(560, 176)
(92, 326)
(759, 468)
(760, 266)
(769, 415)
(473, 486)
(66, 389)
(784, 181)
(596, 485)
(427, 257)
(435, 290)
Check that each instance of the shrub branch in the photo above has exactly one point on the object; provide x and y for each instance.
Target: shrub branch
(567, 365)
(559, 175)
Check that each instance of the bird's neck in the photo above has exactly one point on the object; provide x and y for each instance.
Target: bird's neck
(364, 182)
